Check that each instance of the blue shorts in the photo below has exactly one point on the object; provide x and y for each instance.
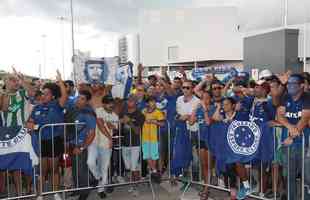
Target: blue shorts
(150, 151)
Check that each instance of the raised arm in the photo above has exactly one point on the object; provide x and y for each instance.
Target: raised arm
(198, 89)
(184, 77)
(168, 89)
(64, 96)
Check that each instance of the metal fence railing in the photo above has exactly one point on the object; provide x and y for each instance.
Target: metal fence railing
(285, 176)
(128, 162)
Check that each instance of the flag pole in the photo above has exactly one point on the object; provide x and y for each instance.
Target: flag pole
(305, 47)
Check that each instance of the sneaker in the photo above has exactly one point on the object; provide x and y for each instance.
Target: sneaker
(243, 192)
(57, 196)
(109, 190)
(120, 179)
(39, 198)
(270, 195)
(94, 183)
(3, 195)
(131, 189)
(155, 177)
(102, 195)
(214, 181)
(284, 197)
(221, 183)
(134, 191)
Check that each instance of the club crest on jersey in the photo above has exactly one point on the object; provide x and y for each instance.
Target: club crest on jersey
(243, 137)
(11, 136)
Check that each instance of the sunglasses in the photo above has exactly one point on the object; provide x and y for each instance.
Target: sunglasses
(186, 88)
(216, 88)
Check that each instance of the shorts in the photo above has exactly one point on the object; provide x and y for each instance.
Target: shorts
(150, 151)
(47, 147)
(131, 157)
(278, 157)
(203, 145)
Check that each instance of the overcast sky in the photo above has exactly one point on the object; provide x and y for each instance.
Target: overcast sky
(98, 23)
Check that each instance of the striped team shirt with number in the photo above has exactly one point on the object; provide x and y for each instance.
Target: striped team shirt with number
(18, 110)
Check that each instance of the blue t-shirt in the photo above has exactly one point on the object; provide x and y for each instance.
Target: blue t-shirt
(50, 113)
(87, 118)
(141, 104)
(167, 104)
(246, 103)
(70, 102)
(293, 110)
(203, 127)
(262, 111)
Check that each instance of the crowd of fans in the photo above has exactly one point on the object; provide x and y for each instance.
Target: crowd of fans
(134, 131)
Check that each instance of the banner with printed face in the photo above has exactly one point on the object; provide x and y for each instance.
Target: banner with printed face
(95, 70)
(105, 71)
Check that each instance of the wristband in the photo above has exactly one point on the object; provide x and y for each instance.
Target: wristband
(82, 149)
(36, 127)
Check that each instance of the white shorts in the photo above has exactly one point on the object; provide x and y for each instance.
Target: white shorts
(131, 157)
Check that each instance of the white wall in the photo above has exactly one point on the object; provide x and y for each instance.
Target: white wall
(200, 33)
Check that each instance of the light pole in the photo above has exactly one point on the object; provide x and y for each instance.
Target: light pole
(62, 19)
(39, 63)
(72, 37)
(43, 54)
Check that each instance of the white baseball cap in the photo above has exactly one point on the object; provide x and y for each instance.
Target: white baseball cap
(265, 73)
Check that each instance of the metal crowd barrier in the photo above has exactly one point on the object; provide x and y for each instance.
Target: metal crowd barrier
(257, 173)
(193, 176)
(42, 188)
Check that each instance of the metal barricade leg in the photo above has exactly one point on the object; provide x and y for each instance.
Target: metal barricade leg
(188, 182)
(306, 166)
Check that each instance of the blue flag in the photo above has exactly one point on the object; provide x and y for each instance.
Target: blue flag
(17, 150)
(123, 81)
(242, 142)
(182, 149)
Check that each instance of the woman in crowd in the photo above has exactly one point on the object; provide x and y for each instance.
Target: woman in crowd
(203, 116)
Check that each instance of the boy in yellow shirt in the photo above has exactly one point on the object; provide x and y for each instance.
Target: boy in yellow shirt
(153, 119)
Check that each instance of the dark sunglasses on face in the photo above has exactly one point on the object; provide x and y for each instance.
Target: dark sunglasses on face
(186, 88)
(216, 88)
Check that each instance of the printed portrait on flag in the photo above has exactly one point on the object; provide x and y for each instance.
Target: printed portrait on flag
(105, 71)
(96, 71)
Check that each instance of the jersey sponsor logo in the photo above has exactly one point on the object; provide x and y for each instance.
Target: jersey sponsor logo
(294, 115)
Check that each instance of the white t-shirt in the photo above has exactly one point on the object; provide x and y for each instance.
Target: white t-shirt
(100, 139)
(186, 108)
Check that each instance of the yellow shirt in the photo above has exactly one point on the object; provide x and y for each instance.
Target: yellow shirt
(149, 131)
